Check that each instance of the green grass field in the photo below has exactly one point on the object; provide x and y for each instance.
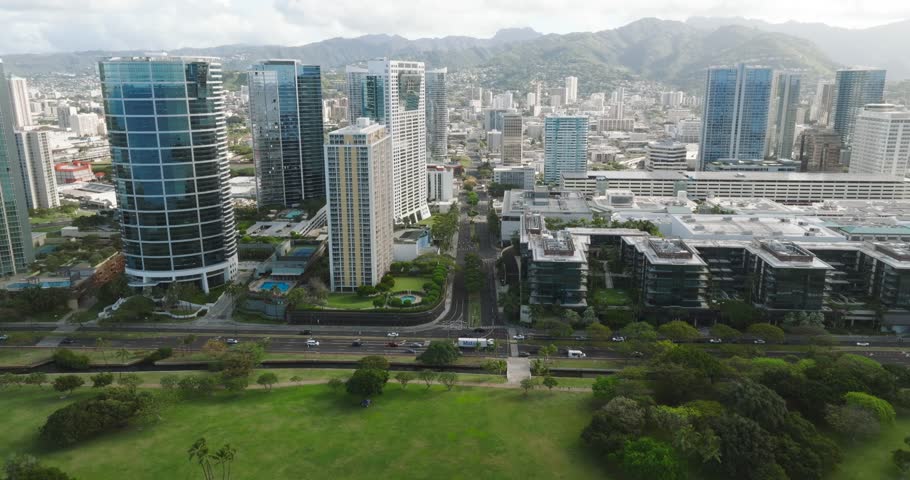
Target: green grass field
(309, 432)
(409, 283)
(871, 459)
(352, 301)
(18, 357)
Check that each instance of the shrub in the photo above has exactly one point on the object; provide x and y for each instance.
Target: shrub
(102, 379)
(81, 420)
(882, 410)
(159, 354)
(69, 360)
(439, 353)
(374, 361)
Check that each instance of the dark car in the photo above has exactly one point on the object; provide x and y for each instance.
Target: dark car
(356, 343)
(524, 354)
(411, 350)
(67, 341)
(391, 344)
(479, 330)
(305, 332)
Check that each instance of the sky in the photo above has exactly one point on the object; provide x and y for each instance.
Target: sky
(39, 26)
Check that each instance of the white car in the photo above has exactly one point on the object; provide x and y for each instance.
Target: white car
(619, 339)
(715, 340)
(862, 344)
(232, 341)
(518, 337)
(392, 334)
(312, 342)
(3, 337)
(758, 341)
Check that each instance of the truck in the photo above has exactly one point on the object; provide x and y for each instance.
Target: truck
(475, 343)
(576, 354)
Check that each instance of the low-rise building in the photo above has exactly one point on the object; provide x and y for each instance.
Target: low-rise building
(516, 177)
(564, 206)
(412, 243)
(666, 272)
(556, 265)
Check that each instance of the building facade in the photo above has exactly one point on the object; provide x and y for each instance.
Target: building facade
(565, 146)
(437, 114)
(285, 109)
(440, 183)
(735, 117)
(571, 90)
(18, 91)
(511, 138)
(168, 140)
(854, 89)
(360, 217)
(516, 177)
(666, 156)
(37, 166)
(881, 141)
(819, 150)
(782, 117)
(15, 233)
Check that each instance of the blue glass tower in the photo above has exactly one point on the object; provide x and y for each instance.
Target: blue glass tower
(735, 118)
(286, 119)
(854, 89)
(166, 126)
(565, 146)
(16, 251)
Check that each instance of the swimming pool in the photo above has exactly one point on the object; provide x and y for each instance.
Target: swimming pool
(304, 252)
(44, 284)
(293, 213)
(282, 287)
(408, 298)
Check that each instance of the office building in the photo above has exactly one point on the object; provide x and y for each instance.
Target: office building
(881, 141)
(671, 99)
(493, 118)
(667, 272)
(819, 150)
(785, 276)
(822, 103)
(511, 139)
(688, 130)
(571, 90)
(554, 264)
(565, 146)
(18, 92)
(503, 101)
(171, 169)
(37, 166)
(617, 99)
(355, 86)
(285, 109)
(561, 205)
(440, 183)
(782, 118)
(15, 233)
(666, 155)
(854, 89)
(516, 177)
(64, 113)
(757, 165)
(735, 117)
(437, 114)
(531, 99)
(360, 216)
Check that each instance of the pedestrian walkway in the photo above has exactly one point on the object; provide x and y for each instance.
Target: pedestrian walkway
(513, 344)
(518, 370)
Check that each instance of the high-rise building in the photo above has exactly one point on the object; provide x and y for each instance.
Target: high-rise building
(565, 146)
(881, 141)
(360, 216)
(437, 114)
(84, 124)
(64, 113)
(854, 89)
(393, 94)
(286, 126)
(503, 101)
(666, 155)
(18, 91)
(168, 140)
(688, 130)
(511, 139)
(822, 103)
(782, 118)
(617, 98)
(735, 118)
(354, 86)
(531, 99)
(571, 90)
(819, 150)
(15, 233)
(37, 166)
(493, 118)
(440, 183)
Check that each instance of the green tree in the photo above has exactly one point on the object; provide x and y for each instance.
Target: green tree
(725, 332)
(901, 458)
(26, 467)
(102, 379)
(404, 378)
(123, 355)
(766, 332)
(335, 384)
(427, 376)
(599, 332)
(743, 447)
(571, 316)
(209, 461)
(528, 384)
(36, 378)
(852, 422)
(882, 410)
(439, 353)
(589, 317)
(67, 383)
(267, 379)
(367, 382)
(679, 331)
(497, 366)
(550, 381)
(130, 381)
(640, 331)
(448, 379)
(621, 418)
(648, 459)
(296, 379)
(374, 361)
(758, 402)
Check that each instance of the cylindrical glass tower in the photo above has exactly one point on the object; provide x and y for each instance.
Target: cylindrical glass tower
(166, 124)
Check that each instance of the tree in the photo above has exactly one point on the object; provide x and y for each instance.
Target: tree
(528, 384)
(67, 383)
(648, 459)
(613, 423)
(598, 331)
(111, 409)
(679, 331)
(495, 366)
(743, 447)
(208, 461)
(374, 361)
(101, 380)
(36, 378)
(169, 383)
(550, 381)
(66, 359)
(439, 353)
(123, 355)
(267, 379)
(766, 332)
(882, 410)
(404, 378)
(365, 291)
(427, 376)
(852, 422)
(367, 382)
(725, 332)
(448, 379)
(295, 379)
(214, 348)
(187, 342)
(473, 272)
(571, 316)
(335, 384)
(101, 345)
(547, 351)
(130, 381)
(26, 467)
(641, 331)
(757, 402)
(901, 458)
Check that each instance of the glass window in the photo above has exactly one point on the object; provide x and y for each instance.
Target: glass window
(138, 107)
(206, 169)
(168, 72)
(150, 203)
(212, 228)
(183, 218)
(120, 155)
(170, 91)
(170, 124)
(178, 171)
(158, 264)
(137, 90)
(205, 153)
(153, 219)
(113, 107)
(175, 139)
(177, 155)
(111, 90)
(192, 261)
(171, 107)
(137, 72)
(213, 258)
(213, 198)
(179, 187)
(143, 140)
(186, 248)
(181, 203)
(184, 233)
(204, 138)
(134, 262)
(203, 122)
(148, 188)
(141, 172)
(115, 123)
(141, 124)
(154, 234)
(144, 156)
(117, 139)
(209, 214)
(207, 184)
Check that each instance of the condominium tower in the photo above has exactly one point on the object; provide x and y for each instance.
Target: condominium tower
(391, 92)
(666, 155)
(18, 91)
(565, 146)
(511, 138)
(15, 234)
(168, 140)
(437, 114)
(782, 117)
(37, 166)
(359, 193)
(571, 90)
(853, 89)
(881, 141)
(286, 119)
(735, 117)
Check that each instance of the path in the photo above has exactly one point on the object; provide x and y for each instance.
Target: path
(417, 384)
(53, 339)
(518, 370)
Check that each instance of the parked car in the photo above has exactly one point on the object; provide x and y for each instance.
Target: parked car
(524, 354)
(392, 334)
(4, 337)
(232, 341)
(391, 344)
(619, 339)
(715, 340)
(312, 342)
(416, 344)
(518, 337)
(758, 341)
(862, 344)
(356, 343)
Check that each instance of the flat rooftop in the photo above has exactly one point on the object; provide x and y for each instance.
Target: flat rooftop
(557, 247)
(736, 176)
(544, 202)
(783, 254)
(752, 226)
(748, 205)
(663, 251)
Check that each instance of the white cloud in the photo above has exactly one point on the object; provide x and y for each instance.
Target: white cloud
(69, 25)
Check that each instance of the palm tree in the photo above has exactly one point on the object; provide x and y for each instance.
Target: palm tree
(123, 355)
(100, 345)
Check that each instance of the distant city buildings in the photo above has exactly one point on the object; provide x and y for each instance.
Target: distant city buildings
(819, 150)
(565, 146)
(571, 90)
(822, 103)
(360, 199)
(666, 155)
(782, 118)
(881, 141)
(16, 251)
(64, 114)
(84, 124)
(511, 139)
(36, 163)
(437, 114)
(854, 89)
(285, 111)
(18, 92)
(735, 118)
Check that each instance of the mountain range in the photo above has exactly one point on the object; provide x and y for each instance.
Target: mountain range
(671, 52)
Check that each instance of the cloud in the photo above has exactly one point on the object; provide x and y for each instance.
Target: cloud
(70, 25)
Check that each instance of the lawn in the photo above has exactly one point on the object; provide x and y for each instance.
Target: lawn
(409, 283)
(872, 458)
(17, 357)
(352, 301)
(475, 433)
(612, 297)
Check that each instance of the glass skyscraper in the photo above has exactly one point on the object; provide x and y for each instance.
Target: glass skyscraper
(735, 118)
(15, 234)
(437, 114)
(166, 126)
(782, 120)
(565, 146)
(853, 89)
(287, 132)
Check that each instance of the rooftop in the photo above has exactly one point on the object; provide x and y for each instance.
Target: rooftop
(544, 202)
(746, 227)
(745, 205)
(663, 251)
(780, 254)
(735, 176)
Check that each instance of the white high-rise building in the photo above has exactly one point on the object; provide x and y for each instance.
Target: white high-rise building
(511, 139)
(393, 93)
(16, 251)
(440, 183)
(503, 101)
(37, 165)
(881, 141)
(84, 124)
(359, 197)
(666, 156)
(571, 90)
(531, 99)
(18, 93)
(618, 99)
(821, 104)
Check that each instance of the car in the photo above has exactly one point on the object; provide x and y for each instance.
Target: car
(619, 339)
(391, 344)
(356, 343)
(479, 330)
(715, 340)
(638, 354)
(581, 337)
(67, 341)
(758, 341)
(4, 337)
(416, 344)
(862, 344)
(524, 354)
(305, 332)
(312, 342)
(232, 341)
(518, 337)
(392, 334)
(411, 350)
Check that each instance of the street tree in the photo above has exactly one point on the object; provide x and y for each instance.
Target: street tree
(598, 331)
(374, 361)
(36, 378)
(448, 379)
(439, 353)
(295, 379)
(495, 366)
(267, 380)
(427, 376)
(766, 332)
(550, 381)
(367, 382)
(404, 378)
(725, 332)
(130, 381)
(102, 379)
(528, 384)
(67, 383)
(679, 331)
(589, 317)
